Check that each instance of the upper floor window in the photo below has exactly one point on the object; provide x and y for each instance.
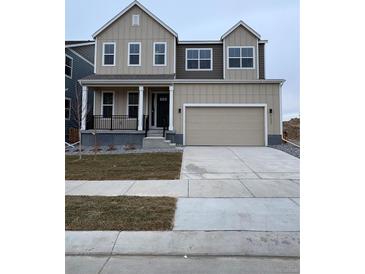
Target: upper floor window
(109, 54)
(135, 20)
(107, 105)
(241, 57)
(68, 66)
(198, 59)
(67, 108)
(134, 54)
(133, 98)
(159, 53)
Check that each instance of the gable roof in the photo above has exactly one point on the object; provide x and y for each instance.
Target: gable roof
(78, 43)
(131, 5)
(243, 24)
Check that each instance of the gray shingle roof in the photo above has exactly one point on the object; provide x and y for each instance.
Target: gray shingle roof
(128, 77)
(73, 42)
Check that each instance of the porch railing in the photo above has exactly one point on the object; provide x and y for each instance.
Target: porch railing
(114, 122)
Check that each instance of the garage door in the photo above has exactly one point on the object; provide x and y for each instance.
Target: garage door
(225, 126)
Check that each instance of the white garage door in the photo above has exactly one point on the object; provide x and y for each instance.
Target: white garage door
(225, 126)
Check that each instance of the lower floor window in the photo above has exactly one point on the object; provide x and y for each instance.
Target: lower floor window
(133, 98)
(67, 108)
(108, 103)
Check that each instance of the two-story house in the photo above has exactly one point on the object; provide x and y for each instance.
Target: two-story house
(79, 62)
(146, 80)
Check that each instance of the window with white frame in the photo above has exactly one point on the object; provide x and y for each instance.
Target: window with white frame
(107, 104)
(241, 57)
(68, 66)
(133, 98)
(108, 54)
(67, 108)
(134, 52)
(159, 53)
(198, 59)
(135, 20)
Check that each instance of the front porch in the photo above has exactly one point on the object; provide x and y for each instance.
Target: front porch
(122, 115)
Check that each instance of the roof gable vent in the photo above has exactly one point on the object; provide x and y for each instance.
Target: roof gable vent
(135, 20)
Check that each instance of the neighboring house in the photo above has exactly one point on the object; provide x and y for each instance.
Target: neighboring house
(202, 92)
(79, 62)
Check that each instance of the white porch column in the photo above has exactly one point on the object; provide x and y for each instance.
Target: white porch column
(140, 108)
(171, 108)
(84, 107)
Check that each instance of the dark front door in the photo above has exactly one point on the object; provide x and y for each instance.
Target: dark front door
(162, 109)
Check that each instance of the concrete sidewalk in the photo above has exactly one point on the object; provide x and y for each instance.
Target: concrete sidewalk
(188, 188)
(180, 243)
(179, 265)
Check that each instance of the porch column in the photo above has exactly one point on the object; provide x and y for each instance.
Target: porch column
(84, 107)
(140, 108)
(171, 108)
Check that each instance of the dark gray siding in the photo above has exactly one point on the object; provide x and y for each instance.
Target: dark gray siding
(261, 61)
(88, 52)
(216, 73)
(80, 69)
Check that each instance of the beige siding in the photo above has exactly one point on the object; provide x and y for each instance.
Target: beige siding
(120, 99)
(225, 126)
(121, 32)
(241, 37)
(229, 94)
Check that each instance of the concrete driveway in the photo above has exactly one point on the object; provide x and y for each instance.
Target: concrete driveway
(238, 163)
(239, 188)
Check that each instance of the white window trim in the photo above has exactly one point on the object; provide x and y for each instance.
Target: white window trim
(241, 47)
(72, 64)
(133, 16)
(140, 54)
(165, 54)
(69, 110)
(102, 102)
(132, 91)
(114, 59)
(211, 59)
(264, 106)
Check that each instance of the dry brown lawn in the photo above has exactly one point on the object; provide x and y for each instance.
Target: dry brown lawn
(143, 166)
(119, 213)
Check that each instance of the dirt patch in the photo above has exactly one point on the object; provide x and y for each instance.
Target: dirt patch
(291, 130)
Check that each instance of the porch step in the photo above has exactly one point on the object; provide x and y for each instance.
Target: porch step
(154, 133)
(157, 142)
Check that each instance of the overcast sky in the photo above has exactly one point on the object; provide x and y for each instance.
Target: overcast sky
(276, 21)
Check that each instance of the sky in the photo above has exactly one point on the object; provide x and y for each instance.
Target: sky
(275, 20)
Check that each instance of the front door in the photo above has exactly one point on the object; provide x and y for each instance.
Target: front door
(162, 109)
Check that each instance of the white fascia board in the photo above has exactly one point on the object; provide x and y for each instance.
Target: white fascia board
(241, 23)
(128, 8)
(263, 41)
(79, 45)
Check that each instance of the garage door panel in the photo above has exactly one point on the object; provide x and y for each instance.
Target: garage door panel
(224, 126)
